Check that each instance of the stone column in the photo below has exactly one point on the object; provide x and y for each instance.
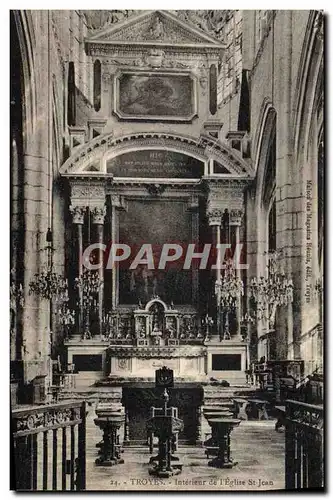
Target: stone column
(98, 217)
(118, 203)
(90, 193)
(78, 213)
(214, 221)
(34, 206)
(226, 195)
(236, 220)
(193, 207)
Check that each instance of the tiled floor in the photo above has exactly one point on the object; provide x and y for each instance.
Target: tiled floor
(257, 447)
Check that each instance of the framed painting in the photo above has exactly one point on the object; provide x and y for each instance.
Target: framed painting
(155, 96)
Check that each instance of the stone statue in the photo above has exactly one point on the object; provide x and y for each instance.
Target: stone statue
(141, 330)
(157, 31)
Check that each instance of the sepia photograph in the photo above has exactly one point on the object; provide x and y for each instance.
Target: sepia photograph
(167, 200)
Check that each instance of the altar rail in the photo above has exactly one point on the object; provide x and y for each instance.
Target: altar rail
(304, 453)
(49, 447)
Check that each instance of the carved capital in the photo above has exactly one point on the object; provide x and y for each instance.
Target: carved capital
(235, 217)
(98, 215)
(193, 203)
(119, 202)
(77, 213)
(214, 216)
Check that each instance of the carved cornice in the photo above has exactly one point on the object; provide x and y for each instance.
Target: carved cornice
(156, 351)
(89, 193)
(155, 189)
(211, 22)
(152, 58)
(154, 28)
(225, 194)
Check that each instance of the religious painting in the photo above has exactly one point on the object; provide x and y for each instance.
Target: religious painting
(143, 222)
(162, 96)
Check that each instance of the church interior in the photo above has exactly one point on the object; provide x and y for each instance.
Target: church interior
(133, 130)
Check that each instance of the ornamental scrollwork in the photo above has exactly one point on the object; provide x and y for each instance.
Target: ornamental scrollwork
(25, 421)
(87, 191)
(309, 416)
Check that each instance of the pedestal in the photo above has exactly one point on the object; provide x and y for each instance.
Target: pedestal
(221, 430)
(165, 425)
(109, 448)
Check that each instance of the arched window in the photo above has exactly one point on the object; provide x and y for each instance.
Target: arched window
(71, 114)
(97, 85)
(270, 170)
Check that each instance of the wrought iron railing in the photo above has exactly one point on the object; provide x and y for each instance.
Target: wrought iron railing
(304, 453)
(49, 447)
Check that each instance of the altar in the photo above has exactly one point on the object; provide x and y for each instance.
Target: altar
(156, 207)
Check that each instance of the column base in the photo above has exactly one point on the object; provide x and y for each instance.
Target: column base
(221, 464)
(174, 471)
(109, 462)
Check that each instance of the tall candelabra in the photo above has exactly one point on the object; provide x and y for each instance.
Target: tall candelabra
(228, 291)
(88, 286)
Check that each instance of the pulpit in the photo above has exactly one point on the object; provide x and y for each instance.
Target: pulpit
(165, 425)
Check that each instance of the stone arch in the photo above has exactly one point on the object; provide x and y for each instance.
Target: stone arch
(309, 80)
(265, 136)
(25, 32)
(203, 148)
(156, 301)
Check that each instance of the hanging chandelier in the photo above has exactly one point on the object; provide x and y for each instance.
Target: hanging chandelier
(50, 286)
(229, 288)
(270, 292)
